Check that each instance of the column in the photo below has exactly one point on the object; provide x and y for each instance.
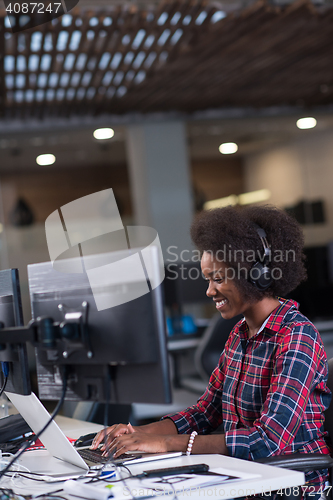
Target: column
(160, 181)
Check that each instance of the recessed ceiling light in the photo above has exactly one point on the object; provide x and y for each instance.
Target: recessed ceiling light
(254, 196)
(307, 122)
(241, 199)
(45, 159)
(103, 133)
(228, 148)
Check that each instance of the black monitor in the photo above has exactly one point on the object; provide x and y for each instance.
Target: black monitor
(15, 355)
(115, 354)
(315, 295)
(184, 284)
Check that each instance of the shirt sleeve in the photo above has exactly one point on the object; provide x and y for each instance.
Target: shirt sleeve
(206, 415)
(300, 366)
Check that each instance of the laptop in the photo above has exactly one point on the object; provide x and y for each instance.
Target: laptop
(57, 444)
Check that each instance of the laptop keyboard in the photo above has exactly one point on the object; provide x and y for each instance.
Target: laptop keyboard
(96, 457)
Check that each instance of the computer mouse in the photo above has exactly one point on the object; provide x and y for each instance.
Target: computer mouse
(85, 440)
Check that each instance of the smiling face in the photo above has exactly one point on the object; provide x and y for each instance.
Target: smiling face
(222, 289)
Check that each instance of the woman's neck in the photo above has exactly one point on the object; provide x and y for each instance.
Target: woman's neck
(258, 312)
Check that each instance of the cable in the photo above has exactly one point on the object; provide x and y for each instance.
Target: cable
(32, 441)
(3, 386)
(5, 370)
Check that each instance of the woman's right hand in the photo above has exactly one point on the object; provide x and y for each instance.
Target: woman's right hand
(111, 432)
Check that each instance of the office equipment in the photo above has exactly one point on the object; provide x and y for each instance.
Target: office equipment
(95, 457)
(170, 471)
(11, 315)
(308, 212)
(212, 343)
(315, 295)
(184, 284)
(253, 479)
(85, 440)
(115, 355)
(57, 443)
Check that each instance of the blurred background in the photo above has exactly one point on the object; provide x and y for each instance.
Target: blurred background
(201, 103)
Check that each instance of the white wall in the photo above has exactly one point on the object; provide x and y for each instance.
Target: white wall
(302, 169)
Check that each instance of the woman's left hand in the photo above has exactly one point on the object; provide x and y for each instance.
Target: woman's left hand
(136, 441)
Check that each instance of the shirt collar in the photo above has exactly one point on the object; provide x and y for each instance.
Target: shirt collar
(275, 319)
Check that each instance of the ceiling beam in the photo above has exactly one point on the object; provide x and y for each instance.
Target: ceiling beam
(35, 126)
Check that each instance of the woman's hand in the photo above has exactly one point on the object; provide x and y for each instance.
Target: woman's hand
(161, 427)
(156, 437)
(111, 433)
(134, 441)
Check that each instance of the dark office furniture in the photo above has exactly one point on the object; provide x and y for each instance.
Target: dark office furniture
(212, 343)
(207, 354)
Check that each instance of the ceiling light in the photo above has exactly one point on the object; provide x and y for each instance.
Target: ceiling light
(103, 133)
(221, 202)
(228, 148)
(241, 199)
(254, 196)
(308, 122)
(45, 159)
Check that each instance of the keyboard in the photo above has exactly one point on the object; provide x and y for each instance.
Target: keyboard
(96, 457)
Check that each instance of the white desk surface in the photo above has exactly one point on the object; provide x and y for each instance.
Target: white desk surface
(179, 345)
(257, 478)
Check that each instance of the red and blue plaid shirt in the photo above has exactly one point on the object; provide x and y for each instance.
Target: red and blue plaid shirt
(269, 391)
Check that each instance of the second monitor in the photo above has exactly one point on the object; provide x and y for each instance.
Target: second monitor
(114, 354)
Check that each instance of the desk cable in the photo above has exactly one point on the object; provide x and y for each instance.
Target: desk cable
(5, 371)
(32, 441)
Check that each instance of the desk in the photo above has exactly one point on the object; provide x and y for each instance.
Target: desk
(257, 478)
(175, 348)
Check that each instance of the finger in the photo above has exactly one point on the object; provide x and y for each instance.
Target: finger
(124, 441)
(112, 440)
(112, 432)
(130, 428)
(114, 452)
(100, 436)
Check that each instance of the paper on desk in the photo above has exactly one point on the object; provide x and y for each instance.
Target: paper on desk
(188, 481)
(159, 486)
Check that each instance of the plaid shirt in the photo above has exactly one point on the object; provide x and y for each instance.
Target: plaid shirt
(269, 391)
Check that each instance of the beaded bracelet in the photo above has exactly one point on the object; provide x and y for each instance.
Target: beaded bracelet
(190, 442)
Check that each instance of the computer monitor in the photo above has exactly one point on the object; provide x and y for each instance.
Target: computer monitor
(11, 315)
(184, 284)
(124, 343)
(315, 295)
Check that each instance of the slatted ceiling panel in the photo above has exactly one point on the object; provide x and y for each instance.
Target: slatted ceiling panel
(182, 55)
(146, 34)
(253, 63)
(199, 67)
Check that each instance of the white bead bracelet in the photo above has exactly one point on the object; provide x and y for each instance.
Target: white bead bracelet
(190, 442)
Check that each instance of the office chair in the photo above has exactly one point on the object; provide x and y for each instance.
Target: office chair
(212, 343)
(306, 462)
(208, 351)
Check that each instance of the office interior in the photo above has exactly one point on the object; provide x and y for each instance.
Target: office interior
(174, 80)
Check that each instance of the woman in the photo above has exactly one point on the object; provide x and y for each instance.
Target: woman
(269, 388)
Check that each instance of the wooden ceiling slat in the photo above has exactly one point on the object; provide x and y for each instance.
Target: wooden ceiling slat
(189, 64)
(254, 73)
(261, 56)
